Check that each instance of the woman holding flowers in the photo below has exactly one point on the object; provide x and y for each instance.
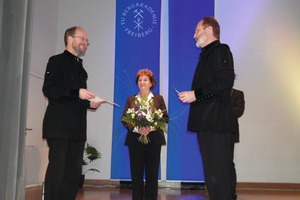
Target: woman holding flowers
(145, 116)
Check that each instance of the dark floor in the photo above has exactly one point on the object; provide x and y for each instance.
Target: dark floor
(115, 193)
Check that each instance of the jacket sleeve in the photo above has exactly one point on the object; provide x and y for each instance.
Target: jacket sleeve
(221, 74)
(54, 87)
(163, 107)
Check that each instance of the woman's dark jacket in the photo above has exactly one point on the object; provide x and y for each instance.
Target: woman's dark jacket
(156, 137)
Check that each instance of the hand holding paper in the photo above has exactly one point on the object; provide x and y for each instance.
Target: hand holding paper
(102, 100)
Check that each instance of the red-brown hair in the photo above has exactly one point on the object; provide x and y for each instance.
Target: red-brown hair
(146, 72)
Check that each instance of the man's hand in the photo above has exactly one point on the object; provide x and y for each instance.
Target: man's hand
(187, 96)
(94, 104)
(84, 94)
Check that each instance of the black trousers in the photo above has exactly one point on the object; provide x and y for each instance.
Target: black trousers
(144, 158)
(64, 169)
(232, 172)
(214, 148)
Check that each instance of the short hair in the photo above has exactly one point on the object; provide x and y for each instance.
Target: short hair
(69, 32)
(210, 21)
(148, 73)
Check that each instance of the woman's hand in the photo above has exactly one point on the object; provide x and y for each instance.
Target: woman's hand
(144, 130)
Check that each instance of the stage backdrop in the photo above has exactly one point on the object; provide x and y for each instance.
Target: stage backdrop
(183, 159)
(137, 47)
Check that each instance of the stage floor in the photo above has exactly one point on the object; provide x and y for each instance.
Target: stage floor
(115, 193)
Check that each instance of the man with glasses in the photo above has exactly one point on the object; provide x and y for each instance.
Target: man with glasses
(64, 125)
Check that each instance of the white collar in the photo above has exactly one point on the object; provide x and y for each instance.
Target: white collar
(150, 95)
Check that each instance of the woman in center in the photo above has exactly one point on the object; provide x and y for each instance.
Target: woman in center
(145, 117)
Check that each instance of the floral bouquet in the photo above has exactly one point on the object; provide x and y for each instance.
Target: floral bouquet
(144, 114)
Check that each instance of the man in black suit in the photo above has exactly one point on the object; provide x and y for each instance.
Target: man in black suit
(64, 124)
(211, 114)
(238, 105)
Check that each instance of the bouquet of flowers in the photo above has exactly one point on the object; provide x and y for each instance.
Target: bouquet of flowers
(144, 114)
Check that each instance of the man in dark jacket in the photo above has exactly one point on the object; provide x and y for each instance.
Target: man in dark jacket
(211, 114)
(64, 124)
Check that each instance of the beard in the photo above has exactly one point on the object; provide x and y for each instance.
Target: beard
(200, 42)
(80, 49)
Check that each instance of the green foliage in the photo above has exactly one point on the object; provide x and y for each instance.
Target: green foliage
(145, 114)
(90, 154)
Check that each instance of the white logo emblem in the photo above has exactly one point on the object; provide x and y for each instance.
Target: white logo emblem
(138, 20)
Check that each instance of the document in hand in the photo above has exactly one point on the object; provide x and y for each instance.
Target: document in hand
(102, 100)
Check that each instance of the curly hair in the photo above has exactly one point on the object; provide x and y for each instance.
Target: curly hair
(146, 72)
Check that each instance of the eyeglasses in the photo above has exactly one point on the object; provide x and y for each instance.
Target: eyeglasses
(82, 39)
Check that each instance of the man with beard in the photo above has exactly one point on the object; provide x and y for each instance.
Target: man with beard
(211, 114)
(64, 125)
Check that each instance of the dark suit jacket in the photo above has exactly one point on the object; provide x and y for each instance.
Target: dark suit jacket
(156, 137)
(212, 83)
(238, 105)
(65, 115)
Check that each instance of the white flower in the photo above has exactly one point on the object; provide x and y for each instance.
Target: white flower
(130, 110)
(132, 115)
(149, 118)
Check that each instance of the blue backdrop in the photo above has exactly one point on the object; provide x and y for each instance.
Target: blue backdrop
(183, 159)
(137, 47)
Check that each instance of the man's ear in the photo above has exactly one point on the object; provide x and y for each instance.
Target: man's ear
(209, 30)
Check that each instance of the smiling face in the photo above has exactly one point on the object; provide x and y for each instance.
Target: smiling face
(144, 83)
(78, 43)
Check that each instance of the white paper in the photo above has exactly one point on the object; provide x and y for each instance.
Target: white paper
(102, 100)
